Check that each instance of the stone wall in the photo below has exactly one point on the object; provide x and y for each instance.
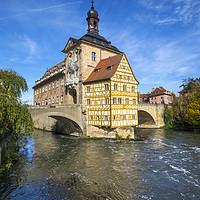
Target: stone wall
(94, 131)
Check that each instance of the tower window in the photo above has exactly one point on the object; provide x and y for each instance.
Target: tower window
(115, 86)
(93, 56)
(95, 24)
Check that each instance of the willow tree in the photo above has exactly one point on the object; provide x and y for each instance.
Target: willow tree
(14, 115)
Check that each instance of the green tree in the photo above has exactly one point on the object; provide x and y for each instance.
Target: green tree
(14, 115)
(184, 112)
(192, 116)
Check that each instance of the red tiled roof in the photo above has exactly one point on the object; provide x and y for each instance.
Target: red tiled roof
(158, 91)
(101, 72)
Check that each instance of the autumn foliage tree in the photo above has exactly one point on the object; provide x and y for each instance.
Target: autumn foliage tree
(185, 110)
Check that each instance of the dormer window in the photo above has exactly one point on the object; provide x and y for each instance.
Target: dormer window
(96, 70)
(109, 67)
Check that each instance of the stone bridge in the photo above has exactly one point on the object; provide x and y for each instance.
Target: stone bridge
(70, 118)
(150, 115)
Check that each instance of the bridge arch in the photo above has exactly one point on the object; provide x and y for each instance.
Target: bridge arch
(57, 122)
(145, 119)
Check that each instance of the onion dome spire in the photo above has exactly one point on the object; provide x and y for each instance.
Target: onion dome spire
(92, 19)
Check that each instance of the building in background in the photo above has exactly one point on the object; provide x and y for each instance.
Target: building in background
(158, 95)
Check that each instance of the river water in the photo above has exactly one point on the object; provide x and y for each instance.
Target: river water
(162, 164)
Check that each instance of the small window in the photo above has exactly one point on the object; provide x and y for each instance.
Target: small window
(57, 83)
(53, 85)
(128, 77)
(88, 88)
(57, 99)
(155, 98)
(76, 56)
(62, 82)
(96, 70)
(151, 98)
(93, 56)
(133, 116)
(91, 118)
(115, 86)
(62, 99)
(124, 87)
(133, 89)
(106, 86)
(50, 86)
(77, 73)
(49, 100)
(46, 87)
(119, 100)
(134, 101)
(121, 117)
(114, 100)
(109, 67)
(114, 117)
(70, 75)
(120, 76)
(124, 67)
(127, 101)
(88, 101)
(97, 118)
(124, 117)
(106, 101)
(53, 100)
(106, 118)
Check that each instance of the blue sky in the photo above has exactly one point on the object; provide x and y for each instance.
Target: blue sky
(160, 38)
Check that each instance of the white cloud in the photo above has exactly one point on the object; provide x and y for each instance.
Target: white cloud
(171, 11)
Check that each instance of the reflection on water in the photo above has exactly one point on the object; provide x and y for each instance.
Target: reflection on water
(160, 165)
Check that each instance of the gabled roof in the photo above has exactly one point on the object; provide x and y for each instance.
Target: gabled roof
(94, 38)
(105, 69)
(159, 91)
